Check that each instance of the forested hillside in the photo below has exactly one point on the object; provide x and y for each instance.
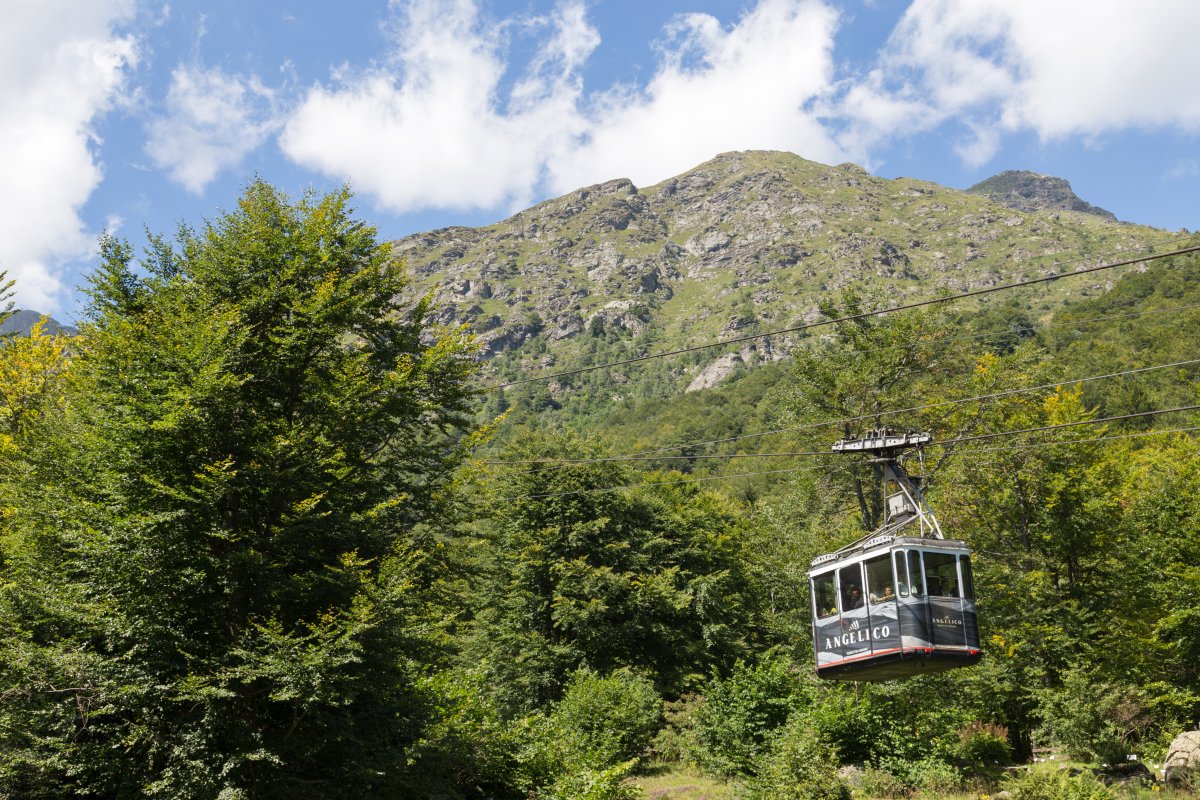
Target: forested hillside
(268, 529)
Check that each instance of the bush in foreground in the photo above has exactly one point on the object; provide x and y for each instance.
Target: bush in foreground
(604, 720)
(799, 766)
(1055, 784)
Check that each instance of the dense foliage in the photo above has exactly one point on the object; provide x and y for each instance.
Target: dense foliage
(215, 554)
(245, 550)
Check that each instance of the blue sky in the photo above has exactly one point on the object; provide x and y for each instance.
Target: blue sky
(122, 115)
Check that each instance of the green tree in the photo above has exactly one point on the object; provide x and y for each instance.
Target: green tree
(218, 559)
(579, 571)
(31, 372)
(872, 365)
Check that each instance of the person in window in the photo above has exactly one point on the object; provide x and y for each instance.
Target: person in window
(884, 596)
(854, 598)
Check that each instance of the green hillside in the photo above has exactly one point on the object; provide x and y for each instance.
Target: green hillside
(745, 243)
(265, 532)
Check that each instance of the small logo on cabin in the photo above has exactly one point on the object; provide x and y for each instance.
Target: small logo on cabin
(947, 621)
(854, 625)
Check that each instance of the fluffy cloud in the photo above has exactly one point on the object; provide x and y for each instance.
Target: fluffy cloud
(212, 121)
(61, 66)
(755, 85)
(1058, 70)
(435, 127)
(432, 127)
(450, 121)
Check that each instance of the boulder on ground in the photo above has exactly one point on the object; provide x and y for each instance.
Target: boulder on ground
(1182, 766)
(1129, 773)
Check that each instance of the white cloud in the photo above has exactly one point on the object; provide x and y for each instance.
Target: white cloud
(1183, 169)
(450, 121)
(1056, 69)
(435, 127)
(61, 66)
(751, 86)
(213, 120)
(432, 128)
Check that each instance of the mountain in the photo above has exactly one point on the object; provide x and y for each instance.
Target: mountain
(746, 242)
(1029, 191)
(21, 321)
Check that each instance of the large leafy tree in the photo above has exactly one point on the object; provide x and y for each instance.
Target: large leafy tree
(869, 367)
(579, 570)
(217, 557)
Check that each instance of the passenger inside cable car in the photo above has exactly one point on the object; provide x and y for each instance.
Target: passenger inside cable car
(919, 614)
(921, 611)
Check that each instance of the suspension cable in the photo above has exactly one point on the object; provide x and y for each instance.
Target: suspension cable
(816, 467)
(606, 459)
(848, 318)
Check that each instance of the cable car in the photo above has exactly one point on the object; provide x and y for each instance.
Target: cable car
(900, 601)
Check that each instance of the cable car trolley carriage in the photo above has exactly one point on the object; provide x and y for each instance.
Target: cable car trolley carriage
(898, 602)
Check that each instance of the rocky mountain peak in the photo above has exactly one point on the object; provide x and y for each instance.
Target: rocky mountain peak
(746, 241)
(1028, 191)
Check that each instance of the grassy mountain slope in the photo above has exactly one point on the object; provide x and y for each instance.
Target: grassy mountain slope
(744, 243)
(1149, 317)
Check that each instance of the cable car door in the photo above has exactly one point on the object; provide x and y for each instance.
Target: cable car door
(881, 604)
(856, 624)
(913, 612)
(948, 623)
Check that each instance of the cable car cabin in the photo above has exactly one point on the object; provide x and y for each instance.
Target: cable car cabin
(894, 607)
(900, 601)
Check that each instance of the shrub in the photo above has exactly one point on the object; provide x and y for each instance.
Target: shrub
(1054, 784)
(740, 712)
(876, 782)
(676, 741)
(1094, 719)
(604, 720)
(889, 722)
(594, 784)
(798, 766)
(469, 748)
(932, 776)
(983, 747)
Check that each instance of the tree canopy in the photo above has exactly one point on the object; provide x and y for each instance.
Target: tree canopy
(214, 556)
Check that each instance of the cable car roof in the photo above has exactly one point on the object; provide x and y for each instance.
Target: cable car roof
(862, 549)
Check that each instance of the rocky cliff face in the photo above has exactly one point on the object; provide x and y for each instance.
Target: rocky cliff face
(1028, 191)
(745, 242)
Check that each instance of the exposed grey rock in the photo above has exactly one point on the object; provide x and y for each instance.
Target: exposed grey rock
(1130, 774)
(715, 372)
(1029, 191)
(1182, 764)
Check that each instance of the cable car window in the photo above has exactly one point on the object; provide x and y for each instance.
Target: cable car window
(968, 582)
(824, 595)
(880, 586)
(901, 574)
(851, 581)
(941, 573)
(915, 576)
